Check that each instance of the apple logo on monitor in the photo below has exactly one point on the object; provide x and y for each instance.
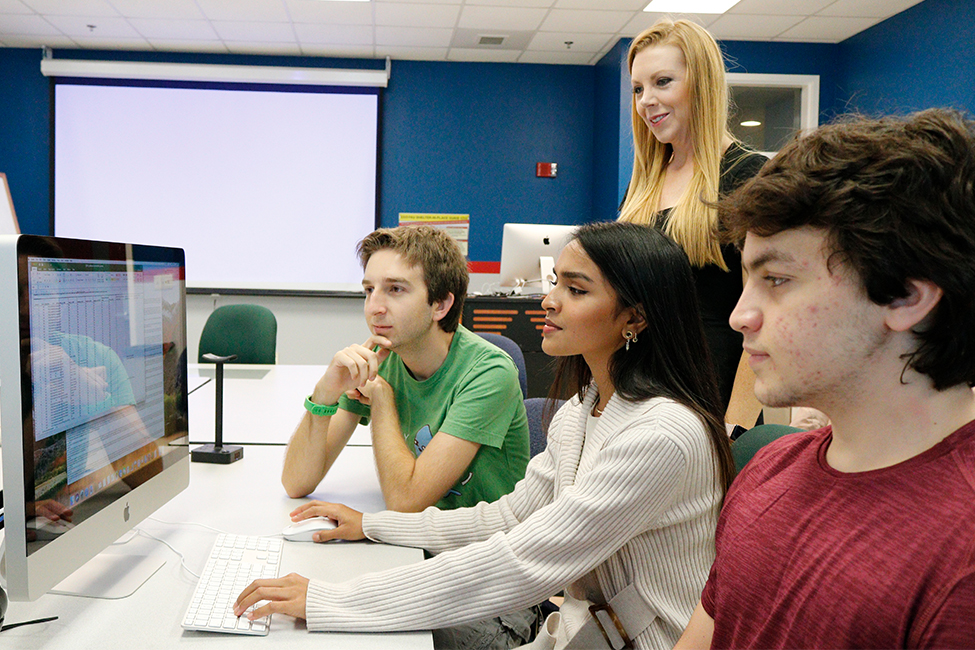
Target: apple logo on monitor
(125, 512)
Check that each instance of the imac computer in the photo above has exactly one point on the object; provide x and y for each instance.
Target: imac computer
(94, 413)
(528, 254)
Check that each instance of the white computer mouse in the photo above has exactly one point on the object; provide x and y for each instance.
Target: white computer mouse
(301, 531)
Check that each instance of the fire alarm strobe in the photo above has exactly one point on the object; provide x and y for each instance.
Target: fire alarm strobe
(546, 170)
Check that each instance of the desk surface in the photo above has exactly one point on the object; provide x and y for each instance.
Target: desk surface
(262, 404)
(245, 497)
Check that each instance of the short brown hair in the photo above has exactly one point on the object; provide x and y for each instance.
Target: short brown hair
(436, 254)
(896, 198)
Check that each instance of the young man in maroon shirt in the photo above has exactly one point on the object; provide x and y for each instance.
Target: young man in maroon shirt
(859, 246)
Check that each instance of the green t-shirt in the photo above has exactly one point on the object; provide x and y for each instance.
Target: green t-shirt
(475, 395)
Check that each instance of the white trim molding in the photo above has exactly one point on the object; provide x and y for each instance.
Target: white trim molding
(808, 84)
(215, 73)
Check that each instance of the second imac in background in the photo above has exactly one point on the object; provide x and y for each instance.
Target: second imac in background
(528, 254)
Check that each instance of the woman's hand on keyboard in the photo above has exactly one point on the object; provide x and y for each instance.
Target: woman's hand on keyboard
(348, 521)
(285, 595)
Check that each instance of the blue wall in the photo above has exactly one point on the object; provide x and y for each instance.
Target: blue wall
(25, 134)
(465, 137)
(921, 58)
(613, 141)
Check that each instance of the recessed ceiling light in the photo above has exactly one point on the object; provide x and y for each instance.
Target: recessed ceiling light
(751, 123)
(690, 6)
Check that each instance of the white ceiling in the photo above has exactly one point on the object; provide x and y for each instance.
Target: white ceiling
(534, 31)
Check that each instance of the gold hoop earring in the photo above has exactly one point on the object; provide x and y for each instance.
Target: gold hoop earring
(630, 337)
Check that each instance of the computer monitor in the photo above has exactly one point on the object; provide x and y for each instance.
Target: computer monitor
(528, 254)
(94, 412)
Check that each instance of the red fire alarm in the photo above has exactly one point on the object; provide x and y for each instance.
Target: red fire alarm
(546, 170)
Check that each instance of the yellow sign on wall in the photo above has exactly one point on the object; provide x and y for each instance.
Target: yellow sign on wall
(457, 226)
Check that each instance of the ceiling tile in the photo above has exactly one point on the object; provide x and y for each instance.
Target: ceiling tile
(260, 47)
(167, 45)
(512, 3)
(336, 13)
(730, 27)
(409, 36)
(101, 28)
(867, 8)
(395, 15)
(643, 20)
(412, 53)
(244, 10)
(827, 30)
(779, 7)
(339, 51)
(89, 8)
(25, 25)
(187, 30)
(255, 32)
(14, 7)
(500, 18)
(595, 22)
(583, 43)
(334, 34)
(483, 56)
(29, 41)
(471, 39)
(171, 9)
(608, 5)
(113, 43)
(439, 2)
(557, 58)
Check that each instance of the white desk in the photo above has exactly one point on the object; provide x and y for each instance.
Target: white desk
(262, 404)
(244, 497)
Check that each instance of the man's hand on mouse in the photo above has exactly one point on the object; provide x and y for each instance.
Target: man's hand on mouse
(348, 521)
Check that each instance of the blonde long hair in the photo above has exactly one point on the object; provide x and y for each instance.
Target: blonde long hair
(693, 223)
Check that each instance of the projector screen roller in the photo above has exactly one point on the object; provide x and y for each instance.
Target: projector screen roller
(264, 188)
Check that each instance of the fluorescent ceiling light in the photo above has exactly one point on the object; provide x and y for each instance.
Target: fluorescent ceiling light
(690, 6)
(751, 123)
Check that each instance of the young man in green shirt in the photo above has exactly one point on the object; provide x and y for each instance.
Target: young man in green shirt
(447, 416)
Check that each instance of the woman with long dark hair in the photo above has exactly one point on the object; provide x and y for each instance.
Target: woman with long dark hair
(619, 510)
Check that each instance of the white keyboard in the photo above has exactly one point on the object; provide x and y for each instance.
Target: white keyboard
(235, 561)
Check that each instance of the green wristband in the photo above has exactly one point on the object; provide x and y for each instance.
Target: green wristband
(320, 409)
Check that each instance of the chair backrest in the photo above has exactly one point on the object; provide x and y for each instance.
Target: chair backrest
(514, 352)
(538, 421)
(747, 444)
(249, 331)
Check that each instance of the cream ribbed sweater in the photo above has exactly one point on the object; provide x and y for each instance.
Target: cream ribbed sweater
(636, 502)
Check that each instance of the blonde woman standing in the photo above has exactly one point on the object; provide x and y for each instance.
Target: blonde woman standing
(684, 158)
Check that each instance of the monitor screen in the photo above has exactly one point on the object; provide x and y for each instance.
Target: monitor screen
(93, 362)
(523, 245)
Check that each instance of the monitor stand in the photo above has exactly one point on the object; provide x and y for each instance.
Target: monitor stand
(546, 264)
(109, 576)
(546, 268)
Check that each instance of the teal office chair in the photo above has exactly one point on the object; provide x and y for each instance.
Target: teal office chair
(747, 444)
(249, 331)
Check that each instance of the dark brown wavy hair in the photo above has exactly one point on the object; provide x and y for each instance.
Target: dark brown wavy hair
(896, 198)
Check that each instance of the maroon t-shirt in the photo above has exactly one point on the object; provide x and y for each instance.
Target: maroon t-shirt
(808, 557)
